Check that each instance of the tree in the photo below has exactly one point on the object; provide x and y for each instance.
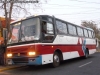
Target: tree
(11, 8)
(93, 25)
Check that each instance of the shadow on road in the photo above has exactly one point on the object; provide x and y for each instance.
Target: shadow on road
(75, 60)
(48, 66)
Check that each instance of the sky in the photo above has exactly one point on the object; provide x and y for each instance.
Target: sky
(73, 11)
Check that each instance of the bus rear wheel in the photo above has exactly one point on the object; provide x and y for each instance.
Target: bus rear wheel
(56, 59)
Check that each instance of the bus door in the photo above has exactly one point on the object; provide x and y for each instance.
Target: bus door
(47, 31)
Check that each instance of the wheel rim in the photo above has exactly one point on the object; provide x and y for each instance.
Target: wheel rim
(56, 58)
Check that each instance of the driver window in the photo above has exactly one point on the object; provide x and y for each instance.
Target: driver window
(47, 31)
(44, 27)
(49, 28)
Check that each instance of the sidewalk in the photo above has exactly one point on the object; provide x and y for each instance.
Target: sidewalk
(98, 50)
(3, 68)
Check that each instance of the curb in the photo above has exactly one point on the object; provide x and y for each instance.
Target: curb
(9, 68)
(98, 51)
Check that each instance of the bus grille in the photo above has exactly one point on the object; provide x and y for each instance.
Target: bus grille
(19, 54)
(20, 60)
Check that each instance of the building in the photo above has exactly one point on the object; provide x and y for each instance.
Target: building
(3, 23)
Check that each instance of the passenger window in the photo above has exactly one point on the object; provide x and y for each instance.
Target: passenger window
(61, 27)
(85, 33)
(90, 35)
(93, 34)
(72, 29)
(80, 31)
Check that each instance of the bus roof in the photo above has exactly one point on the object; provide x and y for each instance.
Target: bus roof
(52, 17)
(88, 28)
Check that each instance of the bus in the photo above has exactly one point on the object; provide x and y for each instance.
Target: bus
(44, 39)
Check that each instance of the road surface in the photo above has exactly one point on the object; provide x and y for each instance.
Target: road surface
(78, 66)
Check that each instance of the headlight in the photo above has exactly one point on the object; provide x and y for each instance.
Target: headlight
(31, 53)
(9, 55)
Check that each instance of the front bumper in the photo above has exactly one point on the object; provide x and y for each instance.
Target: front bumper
(25, 60)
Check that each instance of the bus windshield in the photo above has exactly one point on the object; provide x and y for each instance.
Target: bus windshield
(26, 30)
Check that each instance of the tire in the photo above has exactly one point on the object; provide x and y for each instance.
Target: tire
(56, 59)
(86, 54)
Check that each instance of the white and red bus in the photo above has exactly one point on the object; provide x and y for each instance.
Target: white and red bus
(44, 39)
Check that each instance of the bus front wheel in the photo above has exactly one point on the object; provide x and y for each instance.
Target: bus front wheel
(56, 59)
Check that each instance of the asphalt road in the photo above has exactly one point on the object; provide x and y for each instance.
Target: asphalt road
(78, 66)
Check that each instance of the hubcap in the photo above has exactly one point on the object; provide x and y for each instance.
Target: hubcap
(56, 58)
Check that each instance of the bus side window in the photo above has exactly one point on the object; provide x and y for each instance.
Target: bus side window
(80, 31)
(61, 27)
(72, 29)
(90, 35)
(85, 33)
(93, 35)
